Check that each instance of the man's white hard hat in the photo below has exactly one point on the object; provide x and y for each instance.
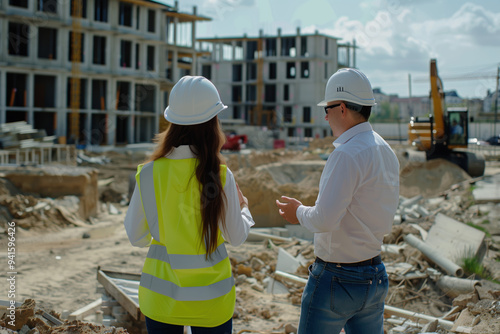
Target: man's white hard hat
(349, 85)
(193, 100)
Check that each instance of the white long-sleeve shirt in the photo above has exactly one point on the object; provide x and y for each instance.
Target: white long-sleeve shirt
(358, 197)
(238, 221)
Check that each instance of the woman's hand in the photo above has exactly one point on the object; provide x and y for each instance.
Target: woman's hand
(243, 199)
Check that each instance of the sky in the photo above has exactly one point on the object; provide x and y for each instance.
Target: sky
(396, 38)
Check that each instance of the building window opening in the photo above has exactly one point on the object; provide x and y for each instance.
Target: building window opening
(18, 39)
(72, 9)
(99, 91)
(271, 47)
(123, 95)
(125, 54)
(121, 129)
(99, 53)
(237, 72)
(286, 92)
(251, 50)
(151, 21)
(125, 14)
(19, 3)
(237, 94)
(288, 46)
(251, 93)
(151, 58)
(304, 69)
(16, 90)
(101, 10)
(270, 93)
(272, 71)
(45, 121)
(47, 42)
(251, 71)
(45, 91)
(82, 104)
(76, 41)
(290, 70)
(287, 114)
(303, 47)
(306, 115)
(206, 71)
(47, 6)
(145, 98)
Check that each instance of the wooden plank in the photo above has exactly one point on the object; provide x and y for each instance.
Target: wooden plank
(86, 310)
(123, 299)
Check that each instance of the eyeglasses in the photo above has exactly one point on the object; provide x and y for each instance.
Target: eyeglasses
(331, 107)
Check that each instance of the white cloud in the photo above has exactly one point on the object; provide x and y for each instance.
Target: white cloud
(471, 25)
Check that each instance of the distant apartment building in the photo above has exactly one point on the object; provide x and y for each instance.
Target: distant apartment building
(275, 81)
(102, 79)
(489, 102)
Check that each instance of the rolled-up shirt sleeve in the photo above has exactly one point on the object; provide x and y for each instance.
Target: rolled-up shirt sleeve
(135, 222)
(238, 221)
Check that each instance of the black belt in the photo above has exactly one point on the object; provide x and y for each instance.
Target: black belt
(370, 262)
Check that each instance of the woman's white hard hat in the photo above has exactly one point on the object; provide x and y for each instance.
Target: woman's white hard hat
(193, 100)
(349, 85)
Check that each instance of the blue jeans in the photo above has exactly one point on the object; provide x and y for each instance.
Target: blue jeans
(157, 327)
(344, 297)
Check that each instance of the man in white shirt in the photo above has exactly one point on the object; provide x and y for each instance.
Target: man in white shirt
(358, 197)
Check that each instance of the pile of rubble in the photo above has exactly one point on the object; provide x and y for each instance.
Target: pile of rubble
(36, 213)
(27, 318)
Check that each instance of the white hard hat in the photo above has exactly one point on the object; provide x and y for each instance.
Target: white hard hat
(350, 85)
(193, 100)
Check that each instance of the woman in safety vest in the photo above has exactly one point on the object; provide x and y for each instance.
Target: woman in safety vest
(185, 205)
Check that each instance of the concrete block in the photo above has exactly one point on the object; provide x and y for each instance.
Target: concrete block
(397, 219)
(276, 288)
(454, 240)
(487, 190)
(299, 232)
(287, 262)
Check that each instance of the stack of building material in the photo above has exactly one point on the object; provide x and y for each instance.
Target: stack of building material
(23, 135)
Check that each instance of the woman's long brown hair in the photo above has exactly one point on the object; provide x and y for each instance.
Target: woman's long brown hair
(206, 141)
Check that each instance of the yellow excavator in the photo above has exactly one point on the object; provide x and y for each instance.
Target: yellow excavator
(444, 135)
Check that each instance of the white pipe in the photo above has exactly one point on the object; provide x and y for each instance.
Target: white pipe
(390, 310)
(450, 267)
(290, 277)
(454, 286)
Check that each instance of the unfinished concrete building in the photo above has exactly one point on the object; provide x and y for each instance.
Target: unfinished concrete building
(275, 81)
(93, 72)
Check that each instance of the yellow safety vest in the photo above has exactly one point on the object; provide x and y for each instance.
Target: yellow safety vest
(178, 286)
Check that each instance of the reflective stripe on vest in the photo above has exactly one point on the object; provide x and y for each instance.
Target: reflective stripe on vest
(149, 200)
(191, 293)
(185, 261)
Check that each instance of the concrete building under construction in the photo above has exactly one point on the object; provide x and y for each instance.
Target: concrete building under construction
(275, 81)
(93, 72)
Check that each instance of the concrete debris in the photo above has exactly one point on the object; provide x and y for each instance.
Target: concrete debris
(31, 319)
(85, 160)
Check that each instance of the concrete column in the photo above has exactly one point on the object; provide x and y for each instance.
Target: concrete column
(278, 44)
(3, 97)
(62, 106)
(30, 87)
(133, 119)
(158, 107)
(111, 128)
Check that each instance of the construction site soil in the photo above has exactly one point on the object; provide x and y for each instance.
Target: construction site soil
(58, 253)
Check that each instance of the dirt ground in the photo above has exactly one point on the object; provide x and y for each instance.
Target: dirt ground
(58, 266)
